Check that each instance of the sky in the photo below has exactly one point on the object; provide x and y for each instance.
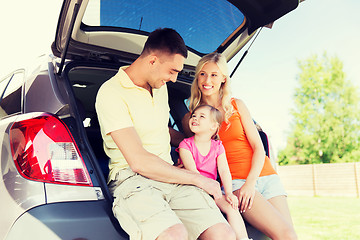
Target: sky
(265, 81)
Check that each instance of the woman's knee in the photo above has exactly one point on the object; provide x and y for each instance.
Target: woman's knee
(289, 233)
(284, 233)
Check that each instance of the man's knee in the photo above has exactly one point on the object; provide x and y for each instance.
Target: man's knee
(219, 231)
(176, 232)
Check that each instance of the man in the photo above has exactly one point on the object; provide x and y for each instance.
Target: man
(152, 198)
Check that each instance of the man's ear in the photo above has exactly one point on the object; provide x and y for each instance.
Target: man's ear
(152, 59)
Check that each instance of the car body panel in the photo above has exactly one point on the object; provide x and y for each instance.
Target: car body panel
(17, 194)
(42, 93)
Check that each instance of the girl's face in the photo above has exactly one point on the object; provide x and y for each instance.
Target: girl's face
(210, 79)
(202, 122)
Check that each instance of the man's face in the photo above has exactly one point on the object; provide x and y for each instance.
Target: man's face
(166, 68)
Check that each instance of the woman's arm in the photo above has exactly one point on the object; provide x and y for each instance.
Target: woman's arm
(247, 192)
(185, 125)
(254, 140)
(175, 137)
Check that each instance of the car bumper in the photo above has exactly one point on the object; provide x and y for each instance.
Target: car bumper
(69, 220)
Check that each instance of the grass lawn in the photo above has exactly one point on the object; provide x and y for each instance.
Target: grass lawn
(325, 217)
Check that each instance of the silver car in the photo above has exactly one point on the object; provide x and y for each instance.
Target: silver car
(53, 167)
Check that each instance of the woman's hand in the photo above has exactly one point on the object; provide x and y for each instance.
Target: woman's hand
(246, 196)
(233, 200)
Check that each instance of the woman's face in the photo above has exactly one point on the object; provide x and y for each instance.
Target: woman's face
(210, 79)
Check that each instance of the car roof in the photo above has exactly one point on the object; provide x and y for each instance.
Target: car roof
(116, 30)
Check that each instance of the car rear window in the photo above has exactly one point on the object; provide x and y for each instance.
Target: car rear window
(203, 24)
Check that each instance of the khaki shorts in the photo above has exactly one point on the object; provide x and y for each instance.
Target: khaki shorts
(145, 208)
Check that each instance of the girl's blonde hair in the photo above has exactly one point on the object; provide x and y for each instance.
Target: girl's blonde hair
(215, 116)
(225, 92)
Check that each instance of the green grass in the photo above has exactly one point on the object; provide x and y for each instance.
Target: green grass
(325, 217)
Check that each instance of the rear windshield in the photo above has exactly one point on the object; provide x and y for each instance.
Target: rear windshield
(204, 24)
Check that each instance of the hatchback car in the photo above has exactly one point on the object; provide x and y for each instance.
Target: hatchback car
(53, 166)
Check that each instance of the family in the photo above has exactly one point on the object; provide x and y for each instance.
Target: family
(153, 199)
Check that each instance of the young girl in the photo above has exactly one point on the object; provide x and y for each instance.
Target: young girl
(205, 154)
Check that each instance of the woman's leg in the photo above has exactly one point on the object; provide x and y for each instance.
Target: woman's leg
(233, 217)
(280, 203)
(268, 219)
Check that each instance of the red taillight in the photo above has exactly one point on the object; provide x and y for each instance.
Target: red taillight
(44, 150)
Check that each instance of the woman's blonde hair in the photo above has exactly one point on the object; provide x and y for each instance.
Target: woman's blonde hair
(215, 116)
(225, 92)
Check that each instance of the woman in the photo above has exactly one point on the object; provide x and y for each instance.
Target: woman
(262, 198)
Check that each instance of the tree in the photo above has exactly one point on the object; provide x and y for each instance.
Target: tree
(326, 117)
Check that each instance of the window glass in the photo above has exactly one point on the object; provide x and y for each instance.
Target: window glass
(203, 24)
(10, 89)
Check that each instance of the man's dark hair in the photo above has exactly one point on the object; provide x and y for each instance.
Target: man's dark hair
(165, 40)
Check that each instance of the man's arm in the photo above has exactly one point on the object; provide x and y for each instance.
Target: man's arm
(153, 167)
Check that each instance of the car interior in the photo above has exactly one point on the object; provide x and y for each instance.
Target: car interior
(86, 81)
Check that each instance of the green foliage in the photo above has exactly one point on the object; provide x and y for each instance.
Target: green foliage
(326, 125)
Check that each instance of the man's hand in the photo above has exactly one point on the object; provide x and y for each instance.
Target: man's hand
(210, 186)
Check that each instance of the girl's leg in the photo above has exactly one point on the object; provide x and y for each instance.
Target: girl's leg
(233, 217)
(268, 219)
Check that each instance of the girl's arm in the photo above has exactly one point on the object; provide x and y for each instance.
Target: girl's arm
(187, 160)
(225, 176)
(247, 192)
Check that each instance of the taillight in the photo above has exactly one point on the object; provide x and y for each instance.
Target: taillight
(43, 150)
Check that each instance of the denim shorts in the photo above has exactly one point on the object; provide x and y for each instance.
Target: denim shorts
(269, 186)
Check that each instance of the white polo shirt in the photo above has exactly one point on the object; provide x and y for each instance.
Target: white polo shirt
(121, 104)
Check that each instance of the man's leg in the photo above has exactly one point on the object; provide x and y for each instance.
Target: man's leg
(143, 212)
(199, 213)
(176, 232)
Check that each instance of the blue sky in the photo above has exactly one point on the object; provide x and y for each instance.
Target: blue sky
(265, 80)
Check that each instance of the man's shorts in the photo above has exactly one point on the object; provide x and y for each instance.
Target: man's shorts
(145, 208)
(269, 186)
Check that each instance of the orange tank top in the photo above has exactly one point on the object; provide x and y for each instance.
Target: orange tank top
(237, 147)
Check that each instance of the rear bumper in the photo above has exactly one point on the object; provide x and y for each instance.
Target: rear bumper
(90, 220)
(71, 220)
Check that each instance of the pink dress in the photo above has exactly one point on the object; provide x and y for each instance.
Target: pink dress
(206, 165)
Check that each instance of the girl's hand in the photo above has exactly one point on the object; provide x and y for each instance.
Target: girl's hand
(246, 196)
(233, 200)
